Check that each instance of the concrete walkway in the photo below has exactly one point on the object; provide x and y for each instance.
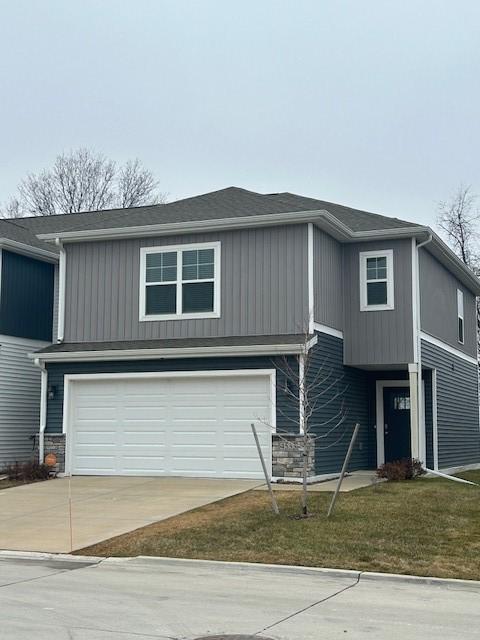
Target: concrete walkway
(36, 517)
(142, 598)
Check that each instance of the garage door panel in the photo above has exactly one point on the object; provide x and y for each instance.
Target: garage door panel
(191, 426)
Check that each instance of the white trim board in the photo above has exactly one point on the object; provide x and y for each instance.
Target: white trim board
(70, 379)
(330, 331)
(446, 347)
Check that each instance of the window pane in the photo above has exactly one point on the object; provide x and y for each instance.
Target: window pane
(401, 403)
(205, 256)
(376, 268)
(190, 272)
(197, 297)
(154, 260)
(161, 299)
(382, 263)
(460, 330)
(169, 259)
(189, 257)
(205, 270)
(376, 293)
(154, 274)
(169, 274)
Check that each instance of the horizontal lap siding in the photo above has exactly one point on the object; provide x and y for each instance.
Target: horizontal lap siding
(457, 407)
(287, 411)
(19, 399)
(263, 287)
(353, 386)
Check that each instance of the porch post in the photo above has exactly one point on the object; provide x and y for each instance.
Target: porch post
(414, 413)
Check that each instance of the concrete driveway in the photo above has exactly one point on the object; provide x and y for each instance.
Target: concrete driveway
(36, 517)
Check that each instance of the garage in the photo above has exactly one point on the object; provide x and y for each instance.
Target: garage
(176, 424)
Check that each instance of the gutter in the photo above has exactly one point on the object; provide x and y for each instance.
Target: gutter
(186, 352)
(61, 291)
(43, 409)
(28, 250)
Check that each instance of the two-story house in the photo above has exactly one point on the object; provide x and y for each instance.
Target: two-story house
(26, 307)
(174, 325)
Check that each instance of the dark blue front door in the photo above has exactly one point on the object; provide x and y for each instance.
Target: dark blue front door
(396, 408)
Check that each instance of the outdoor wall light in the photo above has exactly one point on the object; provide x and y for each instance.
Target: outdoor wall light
(51, 392)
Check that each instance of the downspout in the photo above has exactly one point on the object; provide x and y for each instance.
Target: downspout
(420, 399)
(61, 291)
(43, 408)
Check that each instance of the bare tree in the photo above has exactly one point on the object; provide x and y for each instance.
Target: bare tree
(316, 390)
(83, 180)
(458, 218)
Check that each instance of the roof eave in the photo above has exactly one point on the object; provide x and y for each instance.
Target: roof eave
(28, 250)
(172, 352)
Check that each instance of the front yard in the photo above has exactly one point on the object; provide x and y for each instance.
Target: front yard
(424, 527)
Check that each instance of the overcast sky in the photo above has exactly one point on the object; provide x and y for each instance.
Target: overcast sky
(374, 104)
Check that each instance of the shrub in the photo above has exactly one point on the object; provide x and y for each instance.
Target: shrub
(27, 471)
(405, 469)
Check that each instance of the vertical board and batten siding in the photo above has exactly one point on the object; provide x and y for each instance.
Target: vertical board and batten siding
(327, 280)
(438, 305)
(19, 399)
(55, 304)
(287, 409)
(341, 385)
(378, 337)
(26, 298)
(263, 287)
(457, 407)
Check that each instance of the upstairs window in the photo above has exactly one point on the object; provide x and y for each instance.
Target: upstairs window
(180, 282)
(376, 280)
(460, 317)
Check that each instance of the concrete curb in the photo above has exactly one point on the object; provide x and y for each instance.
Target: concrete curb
(360, 576)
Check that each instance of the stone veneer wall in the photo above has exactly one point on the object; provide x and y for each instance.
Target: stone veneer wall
(287, 456)
(54, 443)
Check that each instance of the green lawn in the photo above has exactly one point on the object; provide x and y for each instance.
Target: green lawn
(423, 527)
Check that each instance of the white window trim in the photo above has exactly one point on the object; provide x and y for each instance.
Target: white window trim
(460, 315)
(144, 251)
(385, 253)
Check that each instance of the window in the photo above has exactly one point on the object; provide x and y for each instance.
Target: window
(401, 403)
(460, 316)
(180, 282)
(376, 280)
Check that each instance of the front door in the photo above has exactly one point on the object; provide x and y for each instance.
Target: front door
(396, 408)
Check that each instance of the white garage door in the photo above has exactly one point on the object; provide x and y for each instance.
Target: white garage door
(178, 426)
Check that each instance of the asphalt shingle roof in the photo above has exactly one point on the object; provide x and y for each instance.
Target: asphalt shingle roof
(232, 202)
(174, 343)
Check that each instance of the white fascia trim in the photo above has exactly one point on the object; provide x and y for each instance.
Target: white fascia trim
(310, 277)
(446, 347)
(187, 352)
(178, 248)
(263, 220)
(323, 328)
(28, 250)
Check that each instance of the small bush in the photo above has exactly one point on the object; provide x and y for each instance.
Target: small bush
(405, 469)
(27, 471)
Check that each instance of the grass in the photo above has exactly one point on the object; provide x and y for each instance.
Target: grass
(423, 527)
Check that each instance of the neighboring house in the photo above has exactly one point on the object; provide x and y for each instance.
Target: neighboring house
(173, 323)
(26, 307)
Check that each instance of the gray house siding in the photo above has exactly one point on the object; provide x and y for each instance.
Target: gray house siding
(287, 410)
(55, 304)
(26, 297)
(457, 407)
(19, 399)
(263, 287)
(378, 337)
(327, 280)
(350, 387)
(438, 304)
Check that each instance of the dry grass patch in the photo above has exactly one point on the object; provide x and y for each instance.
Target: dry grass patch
(425, 527)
